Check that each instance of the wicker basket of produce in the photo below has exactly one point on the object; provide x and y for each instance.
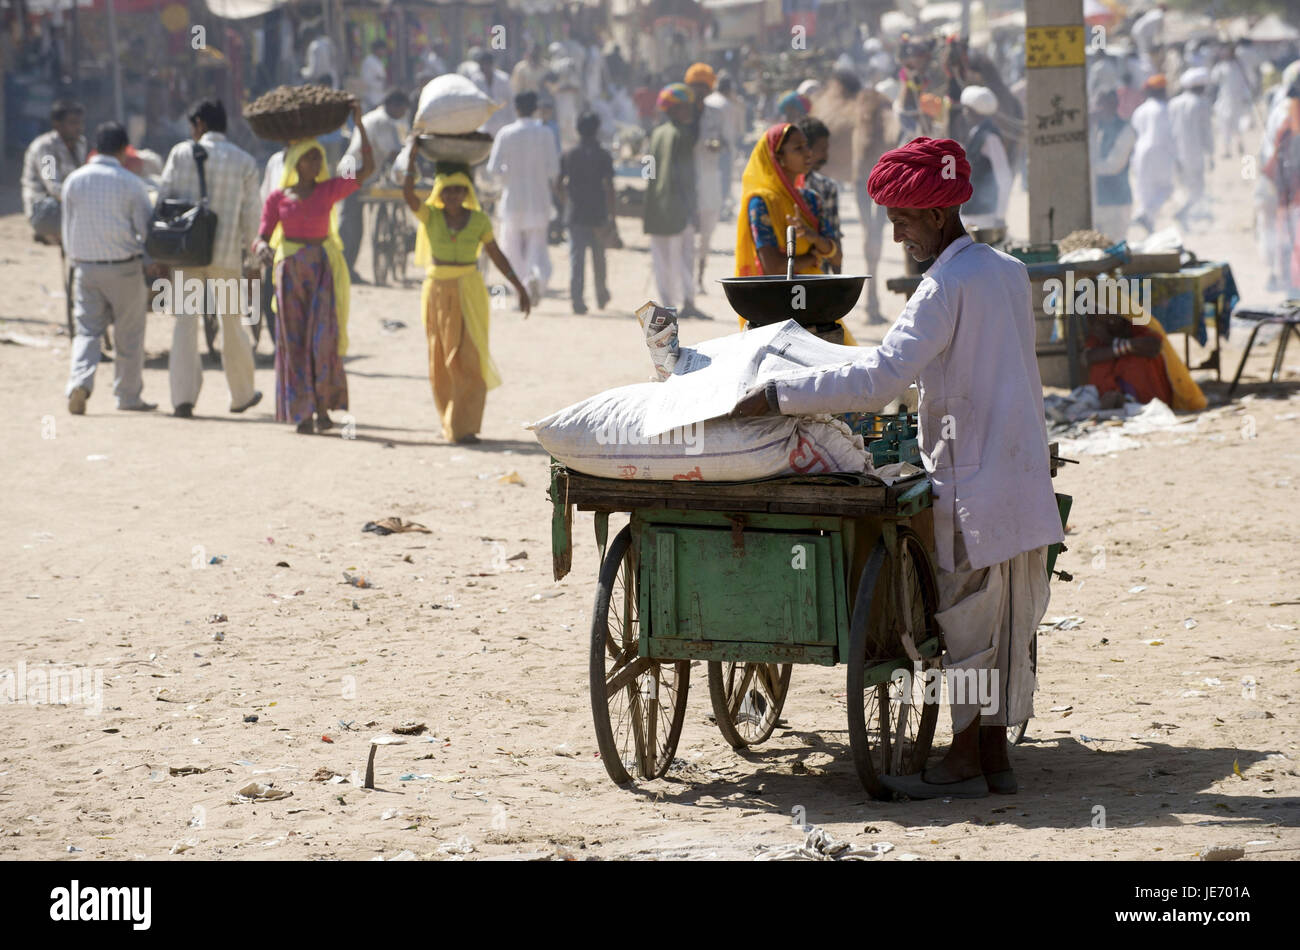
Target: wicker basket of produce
(470, 148)
(287, 113)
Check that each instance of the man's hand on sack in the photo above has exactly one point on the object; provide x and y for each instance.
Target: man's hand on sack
(753, 403)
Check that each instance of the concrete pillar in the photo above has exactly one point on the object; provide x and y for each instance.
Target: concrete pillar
(1056, 119)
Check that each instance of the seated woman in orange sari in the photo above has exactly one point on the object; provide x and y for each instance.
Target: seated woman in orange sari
(771, 201)
(1125, 359)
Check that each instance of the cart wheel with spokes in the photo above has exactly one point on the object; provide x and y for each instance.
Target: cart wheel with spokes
(891, 727)
(638, 704)
(747, 699)
(1016, 734)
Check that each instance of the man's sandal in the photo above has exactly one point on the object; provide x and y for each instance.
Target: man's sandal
(917, 788)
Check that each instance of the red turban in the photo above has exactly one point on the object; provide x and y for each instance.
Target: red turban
(924, 173)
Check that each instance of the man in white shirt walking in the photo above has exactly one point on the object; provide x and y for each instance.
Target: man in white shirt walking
(1153, 158)
(374, 76)
(967, 337)
(1191, 119)
(106, 215)
(525, 157)
(386, 128)
(233, 187)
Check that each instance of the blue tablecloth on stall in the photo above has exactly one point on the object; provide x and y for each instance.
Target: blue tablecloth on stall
(1183, 302)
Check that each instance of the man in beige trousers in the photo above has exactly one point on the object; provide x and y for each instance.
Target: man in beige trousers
(233, 186)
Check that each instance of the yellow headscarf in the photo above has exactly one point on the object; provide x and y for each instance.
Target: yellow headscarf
(423, 251)
(765, 179)
(333, 243)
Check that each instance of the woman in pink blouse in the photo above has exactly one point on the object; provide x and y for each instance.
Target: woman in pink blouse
(299, 236)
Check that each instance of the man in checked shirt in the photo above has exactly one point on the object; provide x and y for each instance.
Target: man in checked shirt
(233, 195)
(106, 215)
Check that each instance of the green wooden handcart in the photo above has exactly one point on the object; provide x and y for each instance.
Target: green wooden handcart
(754, 577)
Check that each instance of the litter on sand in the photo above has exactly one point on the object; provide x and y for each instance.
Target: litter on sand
(260, 792)
(820, 846)
(394, 525)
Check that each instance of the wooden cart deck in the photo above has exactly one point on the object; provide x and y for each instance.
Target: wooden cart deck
(850, 496)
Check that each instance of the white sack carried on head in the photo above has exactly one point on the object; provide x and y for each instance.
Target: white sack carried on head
(452, 105)
(605, 436)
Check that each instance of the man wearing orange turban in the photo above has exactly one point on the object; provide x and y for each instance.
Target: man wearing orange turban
(967, 337)
(1153, 154)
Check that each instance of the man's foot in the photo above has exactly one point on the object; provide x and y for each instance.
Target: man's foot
(323, 422)
(467, 439)
(77, 401)
(922, 786)
(690, 311)
(534, 288)
(305, 427)
(1002, 782)
(602, 301)
(257, 397)
(184, 411)
(580, 309)
(140, 406)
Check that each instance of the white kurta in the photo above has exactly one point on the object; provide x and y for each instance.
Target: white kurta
(1153, 159)
(1189, 118)
(967, 337)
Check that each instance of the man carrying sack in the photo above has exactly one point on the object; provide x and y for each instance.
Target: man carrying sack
(967, 337)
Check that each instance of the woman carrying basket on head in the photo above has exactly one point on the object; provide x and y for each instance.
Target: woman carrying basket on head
(771, 200)
(454, 300)
(299, 236)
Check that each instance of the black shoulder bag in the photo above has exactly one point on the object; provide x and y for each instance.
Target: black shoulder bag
(180, 233)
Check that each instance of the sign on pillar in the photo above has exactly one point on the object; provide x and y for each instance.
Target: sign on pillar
(1056, 119)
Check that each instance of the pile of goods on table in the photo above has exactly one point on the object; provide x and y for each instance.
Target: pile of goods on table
(289, 113)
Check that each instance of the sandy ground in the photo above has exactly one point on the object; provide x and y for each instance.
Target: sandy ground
(1183, 555)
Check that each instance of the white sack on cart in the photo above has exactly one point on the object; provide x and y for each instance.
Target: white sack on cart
(708, 380)
(452, 105)
(605, 436)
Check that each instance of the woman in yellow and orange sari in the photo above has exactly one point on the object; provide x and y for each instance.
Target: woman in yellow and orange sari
(771, 200)
(454, 300)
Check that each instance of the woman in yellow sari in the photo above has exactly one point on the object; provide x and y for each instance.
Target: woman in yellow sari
(454, 300)
(771, 200)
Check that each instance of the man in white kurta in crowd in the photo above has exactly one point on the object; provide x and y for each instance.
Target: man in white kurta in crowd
(1148, 30)
(1232, 105)
(524, 155)
(724, 99)
(233, 189)
(386, 129)
(710, 128)
(1153, 156)
(1190, 118)
(495, 84)
(374, 76)
(990, 171)
(967, 337)
(1112, 147)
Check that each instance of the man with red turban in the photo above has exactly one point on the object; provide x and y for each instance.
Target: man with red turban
(967, 337)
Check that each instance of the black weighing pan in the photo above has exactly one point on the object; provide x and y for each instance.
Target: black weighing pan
(766, 299)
